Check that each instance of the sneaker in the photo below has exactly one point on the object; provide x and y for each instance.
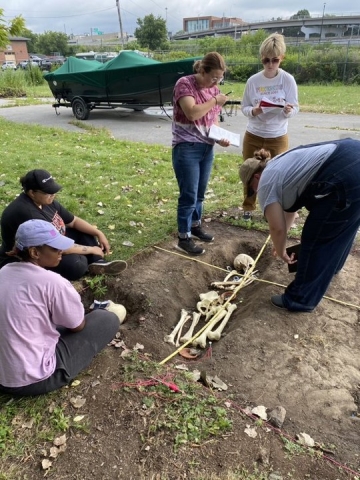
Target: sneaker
(102, 267)
(247, 216)
(110, 306)
(277, 301)
(188, 246)
(199, 233)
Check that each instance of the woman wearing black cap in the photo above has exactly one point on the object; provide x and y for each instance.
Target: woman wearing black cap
(37, 201)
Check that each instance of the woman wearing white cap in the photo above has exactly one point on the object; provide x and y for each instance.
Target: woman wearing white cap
(45, 338)
(37, 201)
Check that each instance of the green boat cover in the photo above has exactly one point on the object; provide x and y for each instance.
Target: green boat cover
(127, 65)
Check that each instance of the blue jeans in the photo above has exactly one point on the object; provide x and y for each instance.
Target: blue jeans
(330, 228)
(192, 164)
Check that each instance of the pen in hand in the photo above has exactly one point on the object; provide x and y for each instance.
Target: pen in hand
(228, 92)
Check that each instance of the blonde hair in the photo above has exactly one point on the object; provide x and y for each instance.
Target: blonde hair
(273, 46)
(211, 61)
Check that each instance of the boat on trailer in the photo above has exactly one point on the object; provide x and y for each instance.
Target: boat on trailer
(130, 81)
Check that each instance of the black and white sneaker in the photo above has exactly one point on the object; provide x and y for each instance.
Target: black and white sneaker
(102, 267)
(200, 234)
(188, 246)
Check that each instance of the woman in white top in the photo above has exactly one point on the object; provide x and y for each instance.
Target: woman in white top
(270, 99)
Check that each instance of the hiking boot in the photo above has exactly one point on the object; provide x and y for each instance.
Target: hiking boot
(110, 306)
(199, 233)
(247, 216)
(188, 246)
(102, 267)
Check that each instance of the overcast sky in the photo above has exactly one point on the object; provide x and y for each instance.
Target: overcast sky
(85, 16)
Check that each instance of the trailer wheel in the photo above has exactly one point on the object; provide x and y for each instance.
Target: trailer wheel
(80, 109)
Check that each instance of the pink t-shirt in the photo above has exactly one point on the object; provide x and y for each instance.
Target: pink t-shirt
(185, 130)
(33, 301)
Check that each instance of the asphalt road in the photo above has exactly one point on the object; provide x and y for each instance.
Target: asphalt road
(153, 126)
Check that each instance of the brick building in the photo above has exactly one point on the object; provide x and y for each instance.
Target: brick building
(16, 50)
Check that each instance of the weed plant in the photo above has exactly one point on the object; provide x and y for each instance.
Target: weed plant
(188, 418)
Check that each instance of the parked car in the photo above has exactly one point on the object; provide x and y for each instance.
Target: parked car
(27, 63)
(46, 64)
(8, 64)
(35, 58)
(22, 64)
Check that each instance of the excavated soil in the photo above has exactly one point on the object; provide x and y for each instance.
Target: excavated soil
(307, 363)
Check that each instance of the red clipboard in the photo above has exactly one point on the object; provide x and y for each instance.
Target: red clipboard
(264, 103)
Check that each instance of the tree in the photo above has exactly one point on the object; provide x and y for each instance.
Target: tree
(33, 38)
(151, 33)
(10, 29)
(301, 14)
(50, 42)
(296, 31)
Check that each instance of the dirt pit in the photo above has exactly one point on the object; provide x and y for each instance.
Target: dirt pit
(307, 363)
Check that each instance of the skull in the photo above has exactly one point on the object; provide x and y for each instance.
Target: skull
(243, 262)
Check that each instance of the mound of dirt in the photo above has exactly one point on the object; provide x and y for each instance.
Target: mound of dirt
(307, 363)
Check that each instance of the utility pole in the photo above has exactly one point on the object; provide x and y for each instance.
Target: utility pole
(322, 22)
(120, 23)
(167, 36)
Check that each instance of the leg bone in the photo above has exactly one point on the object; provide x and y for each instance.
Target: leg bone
(189, 334)
(171, 338)
(201, 339)
(216, 334)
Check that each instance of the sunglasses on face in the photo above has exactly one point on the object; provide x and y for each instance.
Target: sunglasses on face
(270, 60)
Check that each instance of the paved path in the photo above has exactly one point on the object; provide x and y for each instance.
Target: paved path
(153, 126)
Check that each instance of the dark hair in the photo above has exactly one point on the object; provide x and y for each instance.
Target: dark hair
(211, 61)
(23, 255)
(262, 154)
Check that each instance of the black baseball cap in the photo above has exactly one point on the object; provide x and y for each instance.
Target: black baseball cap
(40, 180)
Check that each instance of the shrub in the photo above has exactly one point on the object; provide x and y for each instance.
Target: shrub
(34, 76)
(12, 84)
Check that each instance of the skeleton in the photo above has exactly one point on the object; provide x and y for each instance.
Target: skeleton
(184, 317)
(211, 307)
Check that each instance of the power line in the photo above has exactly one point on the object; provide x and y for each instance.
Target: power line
(63, 16)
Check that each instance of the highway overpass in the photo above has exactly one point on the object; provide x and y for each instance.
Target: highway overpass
(337, 25)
